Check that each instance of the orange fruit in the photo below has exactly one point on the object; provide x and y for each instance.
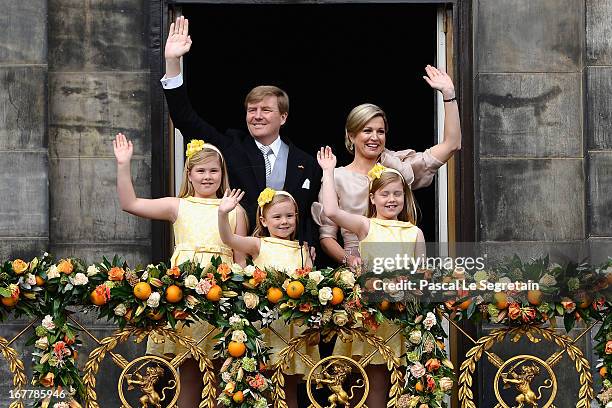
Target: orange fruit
(501, 300)
(97, 299)
(534, 297)
(274, 295)
(465, 304)
(39, 281)
(419, 387)
(384, 305)
(214, 294)
(142, 290)
(295, 289)
(609, 278)
(10, 301)
(337, 296)
(174, 294)
(238, 397)
(236, 349)
(603, 371)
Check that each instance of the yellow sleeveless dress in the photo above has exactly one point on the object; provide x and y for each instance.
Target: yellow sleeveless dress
(196, 237)
(284, 255)
(381, 231)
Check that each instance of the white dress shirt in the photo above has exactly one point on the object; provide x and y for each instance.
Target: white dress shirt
(275, 146)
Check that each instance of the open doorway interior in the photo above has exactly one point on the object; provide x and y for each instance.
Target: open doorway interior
(329, 59)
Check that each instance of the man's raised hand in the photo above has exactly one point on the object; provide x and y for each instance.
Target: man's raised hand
(179, 41)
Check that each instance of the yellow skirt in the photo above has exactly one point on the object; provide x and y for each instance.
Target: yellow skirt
(164, 347)
(296, 364)
(357, 349)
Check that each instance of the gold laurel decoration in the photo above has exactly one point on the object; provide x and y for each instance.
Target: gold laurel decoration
(498, 335)
(16, 367)
(121, 336)
(346, 334)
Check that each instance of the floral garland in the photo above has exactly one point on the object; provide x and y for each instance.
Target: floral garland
(231, 298)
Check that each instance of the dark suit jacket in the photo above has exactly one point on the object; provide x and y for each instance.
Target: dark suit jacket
(245, 163)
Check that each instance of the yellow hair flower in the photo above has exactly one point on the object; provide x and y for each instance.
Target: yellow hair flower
(265, 196)
(376, 171)
(193, 147)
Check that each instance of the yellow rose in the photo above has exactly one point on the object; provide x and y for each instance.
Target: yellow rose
(193, 147)
(265, 196)
(376, 171)
(19, 266)
(65, 266)
(47, 380)
(116, 274)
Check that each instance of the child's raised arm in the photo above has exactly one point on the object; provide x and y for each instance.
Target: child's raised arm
(357, 224)
(247, 245)
(165, 209)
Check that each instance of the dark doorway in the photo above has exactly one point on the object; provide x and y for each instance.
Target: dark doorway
(329, 58)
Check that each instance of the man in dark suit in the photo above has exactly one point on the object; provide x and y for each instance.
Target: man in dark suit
(255, 160)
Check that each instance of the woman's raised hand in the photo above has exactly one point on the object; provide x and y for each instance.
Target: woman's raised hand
(179, 41)
(230, 200)
(326, 158)
(123, 149)
(440, 80)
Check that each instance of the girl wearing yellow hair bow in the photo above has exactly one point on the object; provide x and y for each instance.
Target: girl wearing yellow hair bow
(273, 246)
(391, 218)
(193, 215)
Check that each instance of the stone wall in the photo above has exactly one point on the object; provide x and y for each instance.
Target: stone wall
(24, 166)
(73, 73)
(543, 129)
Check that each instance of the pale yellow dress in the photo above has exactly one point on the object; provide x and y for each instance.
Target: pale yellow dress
(196, 237)
(284, 255)
(382, 231)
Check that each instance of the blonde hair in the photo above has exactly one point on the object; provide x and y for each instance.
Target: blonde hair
(258, 93)
(201, 157)
(358, 118)
(261, 231)
(409, 211)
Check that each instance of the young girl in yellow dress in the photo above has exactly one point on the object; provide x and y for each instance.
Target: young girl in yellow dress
(390, 219)
(273, 246)
(193, 215)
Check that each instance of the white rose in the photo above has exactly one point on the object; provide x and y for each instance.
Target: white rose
(53, 272)
(153, 300)
(430, 321)
(249, 270)
(239, 336)
(548, 280)
(120, 310)
(340, 318)
(446, 384)
(235, 319)
(415, 337)
(237, 269)
(31, 279)
(325, 295)
(92, 270)
(504, 280)
(42, 343)
(285, 284)
(47, 323)
(347, 277)
(251, 300)
(315, 276)
(61, 405)
(79, 279)
(191, 281)
(417, 370)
